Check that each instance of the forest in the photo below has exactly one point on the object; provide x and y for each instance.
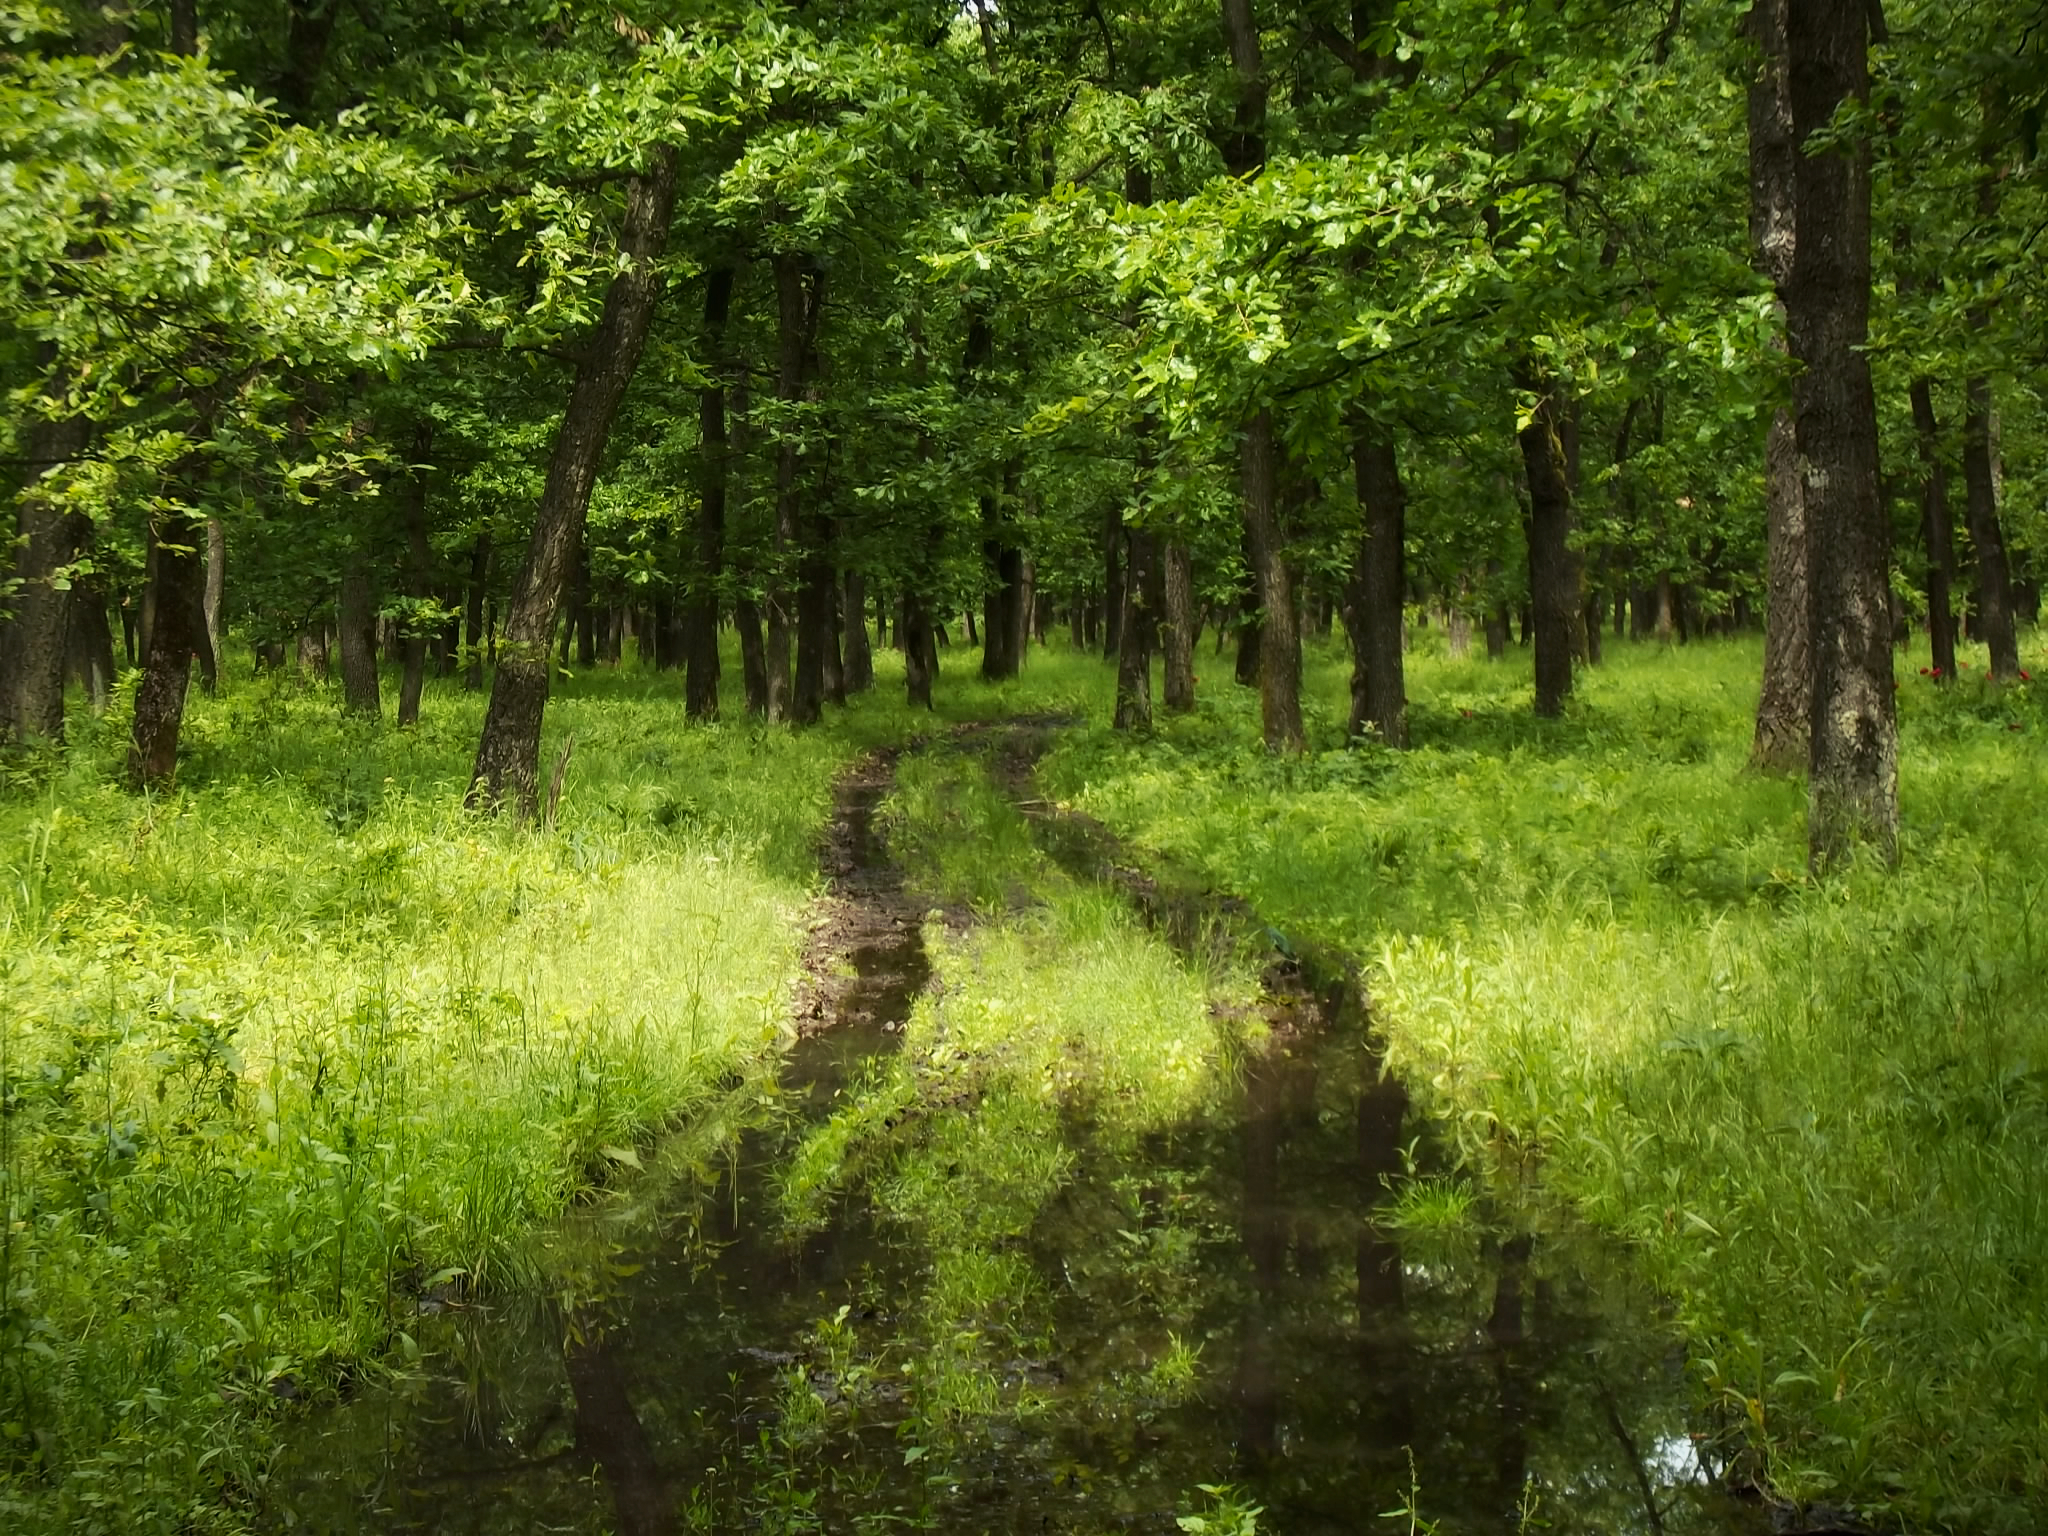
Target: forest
(1023, 765)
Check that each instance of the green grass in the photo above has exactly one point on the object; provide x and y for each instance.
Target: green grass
(1818, 1111)
(293, 1046)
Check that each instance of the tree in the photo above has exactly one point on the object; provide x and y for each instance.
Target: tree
(508, 755)
(1853, 784)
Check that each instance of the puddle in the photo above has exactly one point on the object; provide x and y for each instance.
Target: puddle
(1223, 1306)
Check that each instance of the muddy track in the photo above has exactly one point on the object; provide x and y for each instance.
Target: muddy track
(864, 960)
(1303, 990)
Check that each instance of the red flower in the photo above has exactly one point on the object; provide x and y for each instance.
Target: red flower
(2023, 676)
(1923, 671)
(1937, 672)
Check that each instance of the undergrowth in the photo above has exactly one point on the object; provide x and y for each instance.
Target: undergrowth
(297, 1049)
(1819, 1111)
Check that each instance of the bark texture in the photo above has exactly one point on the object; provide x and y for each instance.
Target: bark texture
(358, 622)
(1780, 743)
(1995, 622)
(859, 659)
(419, 575)
(1134, 656)
(700, 613)
(91, 645)
(216, 587)
(508, 755)
(797, 282)
(1372, 599)
(746, 618)
(473, 619)
(1279, 640)
(49, 539)
(1937, 526)
(1553, 573)
(1279, 625)
(1177, 628)
(1853, 767)
(177, 633)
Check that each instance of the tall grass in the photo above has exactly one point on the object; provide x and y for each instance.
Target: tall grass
(301, 1047)
(1819, 1111)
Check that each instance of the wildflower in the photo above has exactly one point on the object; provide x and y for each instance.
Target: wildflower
(1923, 671)
(2023, 676)
(1937, 672)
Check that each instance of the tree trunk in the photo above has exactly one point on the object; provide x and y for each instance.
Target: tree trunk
(1785, 702)
(700, 615)
(358, 620)
(746, 618)
(1178, 634)
(177, 633)
(1936, 528)
(1553, 585)
(1113, 581)
(1134, 655)
(1854, 766)
(50, 538)
(216, 589)
(860, 657)
(816, 577)
(419, 561)
(479, 582)
(91, 644)
(1279, 634)
(1279, 643)
(796, 294)
(580, 623)
(448, 643)
(835, 641)
(1987, 533)
(508, 754)
(920, 653)
(309, 28)
(1372, 600)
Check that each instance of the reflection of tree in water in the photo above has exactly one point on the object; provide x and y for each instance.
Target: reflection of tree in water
(609, 1432)
(1525, 1363)
(1387, 1413)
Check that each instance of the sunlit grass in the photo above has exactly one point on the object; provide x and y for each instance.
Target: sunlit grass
(1591, 944)
(299, 1044)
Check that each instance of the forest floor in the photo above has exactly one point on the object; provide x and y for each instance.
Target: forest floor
(307, 1072)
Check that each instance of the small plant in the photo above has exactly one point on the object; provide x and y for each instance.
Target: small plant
(1225, 1511)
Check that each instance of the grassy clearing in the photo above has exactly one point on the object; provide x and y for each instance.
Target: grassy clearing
(289, 1049)
(1819, 1112)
